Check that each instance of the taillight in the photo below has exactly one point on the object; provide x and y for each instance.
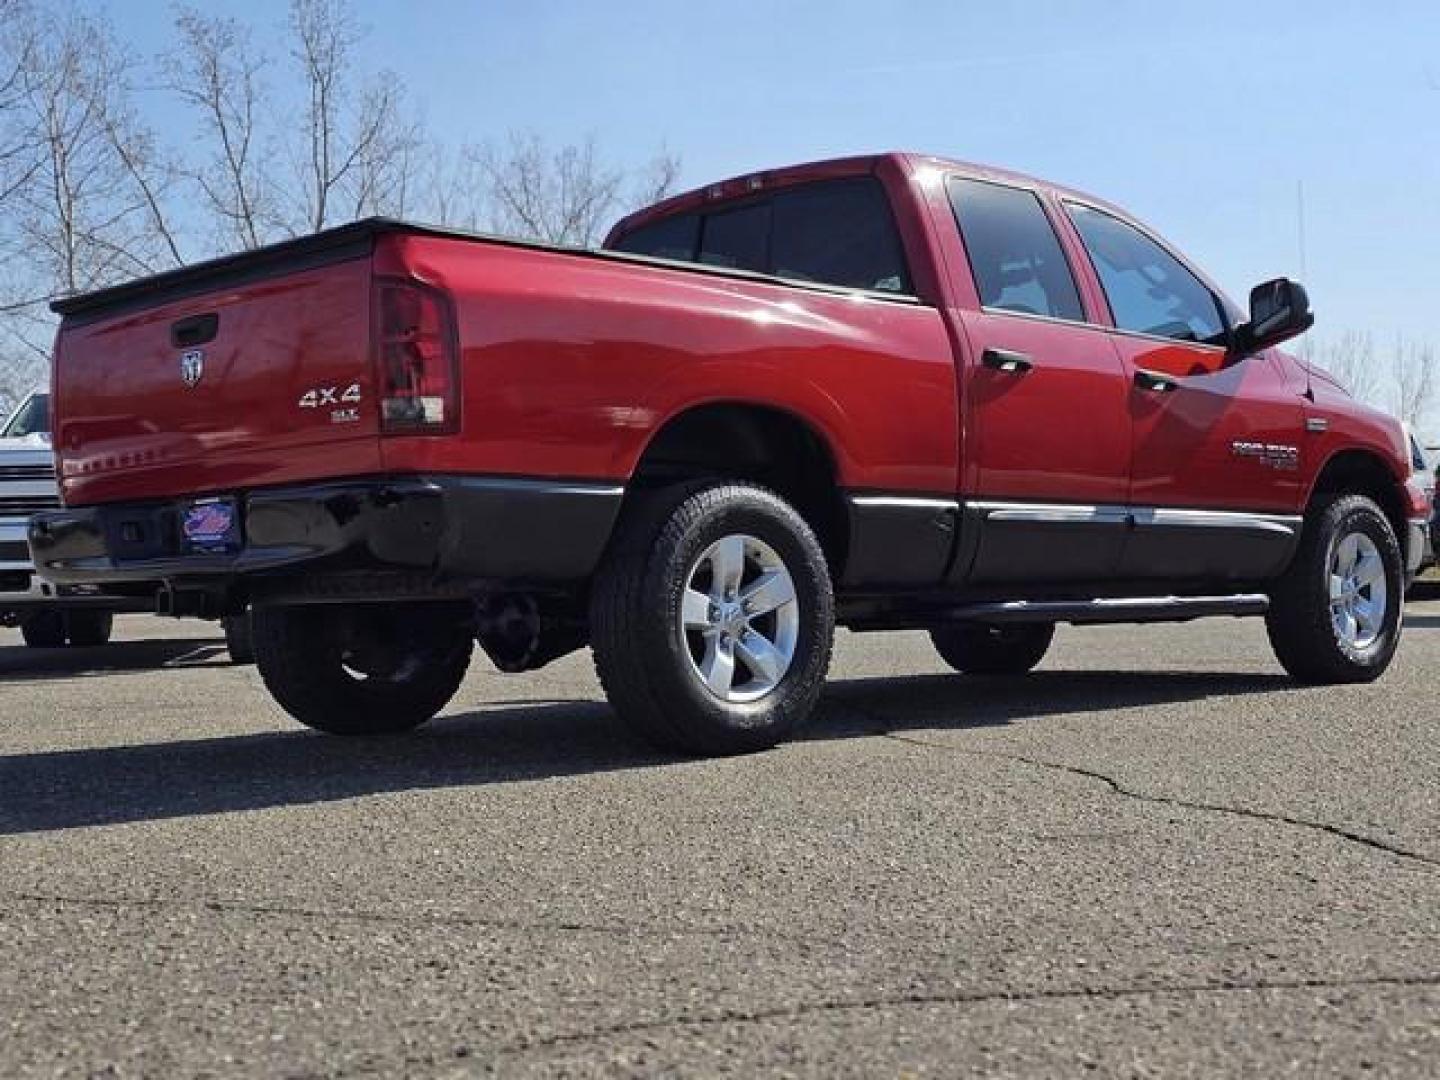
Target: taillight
(417, 363)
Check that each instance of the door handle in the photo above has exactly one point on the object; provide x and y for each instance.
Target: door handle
(196, 330)
(1155, 382)
(1012, 363)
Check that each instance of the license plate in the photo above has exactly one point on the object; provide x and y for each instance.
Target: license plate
(212, 526)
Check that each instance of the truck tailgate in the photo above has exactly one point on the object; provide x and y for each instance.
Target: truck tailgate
(248, 372)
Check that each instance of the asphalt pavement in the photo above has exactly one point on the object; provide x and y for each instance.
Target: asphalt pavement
(1153, 857)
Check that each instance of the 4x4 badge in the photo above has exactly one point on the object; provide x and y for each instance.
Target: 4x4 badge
(192, 367)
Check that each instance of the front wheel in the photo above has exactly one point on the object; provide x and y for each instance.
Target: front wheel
(1335, 614)
(364, 670)
(984, 649)
(712, 619)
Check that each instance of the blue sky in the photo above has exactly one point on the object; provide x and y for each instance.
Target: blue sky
(1201, 118)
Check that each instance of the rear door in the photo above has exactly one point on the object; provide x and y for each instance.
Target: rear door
(1215, 460)
(1047, 436)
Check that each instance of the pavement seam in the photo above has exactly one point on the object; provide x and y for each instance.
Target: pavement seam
(1117, 788)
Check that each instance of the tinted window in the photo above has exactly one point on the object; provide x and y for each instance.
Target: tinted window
(1014, 253)
(32, 418)
(838, 233)
(737, 239)
(669, 238)
(1149, 290)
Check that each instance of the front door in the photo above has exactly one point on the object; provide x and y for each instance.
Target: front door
(1046, 401)
(1215, 477)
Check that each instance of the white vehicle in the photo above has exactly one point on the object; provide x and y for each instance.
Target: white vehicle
(47, 615)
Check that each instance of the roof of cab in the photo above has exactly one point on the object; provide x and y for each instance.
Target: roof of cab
(737, 187)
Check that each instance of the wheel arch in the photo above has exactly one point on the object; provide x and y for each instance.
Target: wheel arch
(1364, 472)
(762, 443)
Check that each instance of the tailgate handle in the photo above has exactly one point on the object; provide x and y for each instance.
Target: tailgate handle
(194, 330)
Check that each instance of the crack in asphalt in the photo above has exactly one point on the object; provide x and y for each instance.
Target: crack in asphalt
(411, 919)
(1117, 788)
(898, 1001)
(1101, 993)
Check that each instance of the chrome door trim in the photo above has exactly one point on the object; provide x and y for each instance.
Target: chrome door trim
(1137, 516)
(1053, 513)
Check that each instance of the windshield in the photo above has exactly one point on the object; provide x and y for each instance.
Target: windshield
(32, 418)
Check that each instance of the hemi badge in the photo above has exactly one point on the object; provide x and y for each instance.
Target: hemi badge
(1316, 424)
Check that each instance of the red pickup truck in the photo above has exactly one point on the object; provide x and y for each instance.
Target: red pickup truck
(885, 392)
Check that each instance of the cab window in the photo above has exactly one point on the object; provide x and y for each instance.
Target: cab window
(838, 233)
(669, 238)
(833, 232)
(1148, 289)
(737, 239)
(1014, 253)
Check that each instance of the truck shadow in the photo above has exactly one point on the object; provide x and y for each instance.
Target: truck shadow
(520, 741)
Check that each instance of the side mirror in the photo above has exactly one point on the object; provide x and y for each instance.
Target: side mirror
(1279, 311)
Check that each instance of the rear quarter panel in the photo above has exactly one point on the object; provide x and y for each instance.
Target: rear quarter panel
(570, 364)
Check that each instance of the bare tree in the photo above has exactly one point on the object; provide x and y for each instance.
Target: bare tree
(216, 70)
(388, 150)
(450, 187)
(86, 185)
(92, 210)
(658, 179)
(1351, 359)
(357, 151)
(1414, 379)
(563, 196)
(18, 160)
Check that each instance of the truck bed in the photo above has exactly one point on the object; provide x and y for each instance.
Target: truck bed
(569, 362)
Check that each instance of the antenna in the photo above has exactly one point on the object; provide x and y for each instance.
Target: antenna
(1300, 237)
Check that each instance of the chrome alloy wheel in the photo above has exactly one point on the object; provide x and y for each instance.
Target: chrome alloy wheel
(1358, 591)
(739, 618)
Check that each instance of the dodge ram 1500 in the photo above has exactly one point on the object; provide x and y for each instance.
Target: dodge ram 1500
(883, 392)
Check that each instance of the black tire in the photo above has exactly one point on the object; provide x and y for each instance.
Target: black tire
(89, 629)
(644, 661)
(376, 670)
(44, 630)
(984, 649)
(239, 640)
(1302, 631)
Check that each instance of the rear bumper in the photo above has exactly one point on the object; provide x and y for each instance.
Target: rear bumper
(22, 590)
(430, 530)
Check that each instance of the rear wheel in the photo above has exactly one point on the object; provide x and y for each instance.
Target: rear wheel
(984, 649)
(89, 629)
(712, 619)
(1335, 614)
(375, 670)
(44, 630)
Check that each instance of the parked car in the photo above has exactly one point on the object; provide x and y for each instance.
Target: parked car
(885, 392)
(1425, 475)
(48, 615)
